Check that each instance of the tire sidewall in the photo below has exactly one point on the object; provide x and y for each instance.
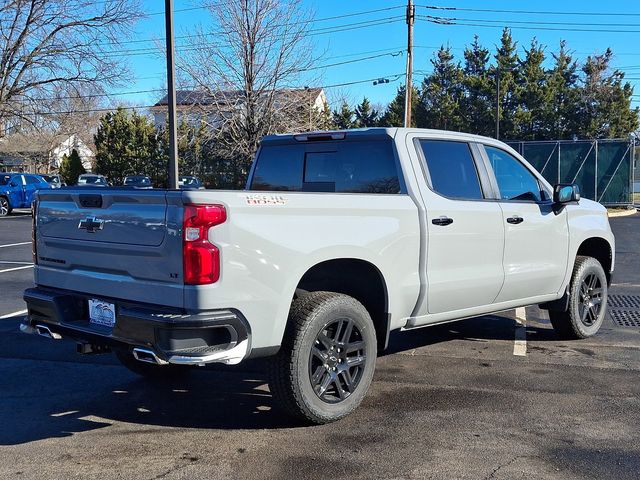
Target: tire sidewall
(317, 321)
(591, 266)
(8, 205)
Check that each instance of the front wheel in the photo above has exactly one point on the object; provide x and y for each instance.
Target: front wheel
(587, 301)
(5, 207)
(327, 359)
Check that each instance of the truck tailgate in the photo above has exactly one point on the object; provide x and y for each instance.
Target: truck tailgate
(112, 243)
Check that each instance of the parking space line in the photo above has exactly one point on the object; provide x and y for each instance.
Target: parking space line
(520, 342)
(15, 244)
(15, 268)
(16, 263)
(14, 314)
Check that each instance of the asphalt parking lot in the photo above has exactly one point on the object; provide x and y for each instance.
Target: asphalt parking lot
(484, 398)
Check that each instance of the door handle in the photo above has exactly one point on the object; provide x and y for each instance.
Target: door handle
(442, 221)
(515, 220)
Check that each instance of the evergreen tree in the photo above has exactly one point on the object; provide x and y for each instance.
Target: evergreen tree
(534, 96)
(477, 106)
(71, 168)
(605, 102)
(343, 118)
(366, 116)
(441, 94)
(394, 115)
(125, 145)
(507, 68)
(560, 114)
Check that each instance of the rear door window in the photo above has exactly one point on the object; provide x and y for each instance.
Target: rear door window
(340, 167)
(452, 169)
(31, 180)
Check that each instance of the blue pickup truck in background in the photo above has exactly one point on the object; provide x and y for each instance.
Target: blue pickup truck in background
(17, 189)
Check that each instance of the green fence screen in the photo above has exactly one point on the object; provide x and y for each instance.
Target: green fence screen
(602, 168)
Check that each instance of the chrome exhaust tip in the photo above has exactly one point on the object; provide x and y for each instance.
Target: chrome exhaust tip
(147, 356)
(44, 331)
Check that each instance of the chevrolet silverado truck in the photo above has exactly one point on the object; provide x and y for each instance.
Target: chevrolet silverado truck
(338, 239)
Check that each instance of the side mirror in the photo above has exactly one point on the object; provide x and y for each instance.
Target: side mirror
(566, 193)
(13, 184)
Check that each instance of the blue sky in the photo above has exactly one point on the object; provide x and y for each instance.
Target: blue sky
(387, 38)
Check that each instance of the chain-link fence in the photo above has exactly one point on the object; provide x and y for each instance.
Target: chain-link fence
(604, 169)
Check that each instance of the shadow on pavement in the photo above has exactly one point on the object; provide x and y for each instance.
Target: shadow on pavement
(58, 394)
(488, 327)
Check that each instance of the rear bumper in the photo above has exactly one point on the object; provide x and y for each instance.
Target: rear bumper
(221, 336)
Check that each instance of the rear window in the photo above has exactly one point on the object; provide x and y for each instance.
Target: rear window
(341, 167)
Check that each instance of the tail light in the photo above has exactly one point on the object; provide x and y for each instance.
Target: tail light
(201, 259)
(34, 213)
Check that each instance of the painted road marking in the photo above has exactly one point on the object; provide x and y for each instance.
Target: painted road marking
(16, 263)
(14, 314)
(520, 342)
(15, 244)
(15, 268)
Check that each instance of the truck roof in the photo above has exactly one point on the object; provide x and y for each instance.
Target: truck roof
(370, 133)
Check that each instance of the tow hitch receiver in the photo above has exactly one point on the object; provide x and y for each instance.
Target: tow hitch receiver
(91, 349)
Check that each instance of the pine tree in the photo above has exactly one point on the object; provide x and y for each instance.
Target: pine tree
(477, 106)
(394, 115)
(343, 118)
(560, 115)
(366, 116)
(507, 68)
(71, 167)
(441, 94)
(125, 145)
(534, 95)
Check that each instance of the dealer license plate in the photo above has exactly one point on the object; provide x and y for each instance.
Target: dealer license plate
(102, 313)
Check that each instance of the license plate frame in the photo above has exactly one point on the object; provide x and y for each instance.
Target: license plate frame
(102, 313)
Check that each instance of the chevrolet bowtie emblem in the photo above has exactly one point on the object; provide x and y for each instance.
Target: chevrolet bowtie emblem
(91, 224)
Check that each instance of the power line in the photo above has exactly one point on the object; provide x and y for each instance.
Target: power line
(506, 24)
(531, 12)
(309, 33)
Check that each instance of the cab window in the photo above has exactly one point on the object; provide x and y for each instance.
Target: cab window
(452, 169)
(515, 181)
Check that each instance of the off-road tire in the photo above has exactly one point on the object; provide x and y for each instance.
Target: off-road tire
(149, 370)
(572, 324)
(313, 316)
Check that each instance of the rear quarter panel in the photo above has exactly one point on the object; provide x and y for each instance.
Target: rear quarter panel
(271, 239)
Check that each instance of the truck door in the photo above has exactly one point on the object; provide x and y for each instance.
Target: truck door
(32, 183)
(465, 228)
(16, 191)
(536, 238)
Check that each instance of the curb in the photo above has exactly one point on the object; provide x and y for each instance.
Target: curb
(623, 213)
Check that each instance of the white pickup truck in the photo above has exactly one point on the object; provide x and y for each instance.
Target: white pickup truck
(338, 238)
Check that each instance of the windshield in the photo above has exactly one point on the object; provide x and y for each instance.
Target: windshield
(5, 179)
(51, 178)
(140, 180)
(91, 181)
(188, 181)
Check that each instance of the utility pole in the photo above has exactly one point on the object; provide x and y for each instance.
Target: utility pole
(498, 102)
(171, 96)
(408, 89)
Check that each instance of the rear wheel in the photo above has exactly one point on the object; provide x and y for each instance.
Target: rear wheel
(150, 370)
(327, 359)
(5, 207)
(587, 301)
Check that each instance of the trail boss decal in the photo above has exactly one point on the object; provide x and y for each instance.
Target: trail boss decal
(265, 200)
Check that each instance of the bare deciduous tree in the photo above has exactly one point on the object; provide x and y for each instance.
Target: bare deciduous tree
(53, 45)
(248, 67)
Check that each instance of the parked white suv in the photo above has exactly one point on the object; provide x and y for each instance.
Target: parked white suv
(339, 238)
